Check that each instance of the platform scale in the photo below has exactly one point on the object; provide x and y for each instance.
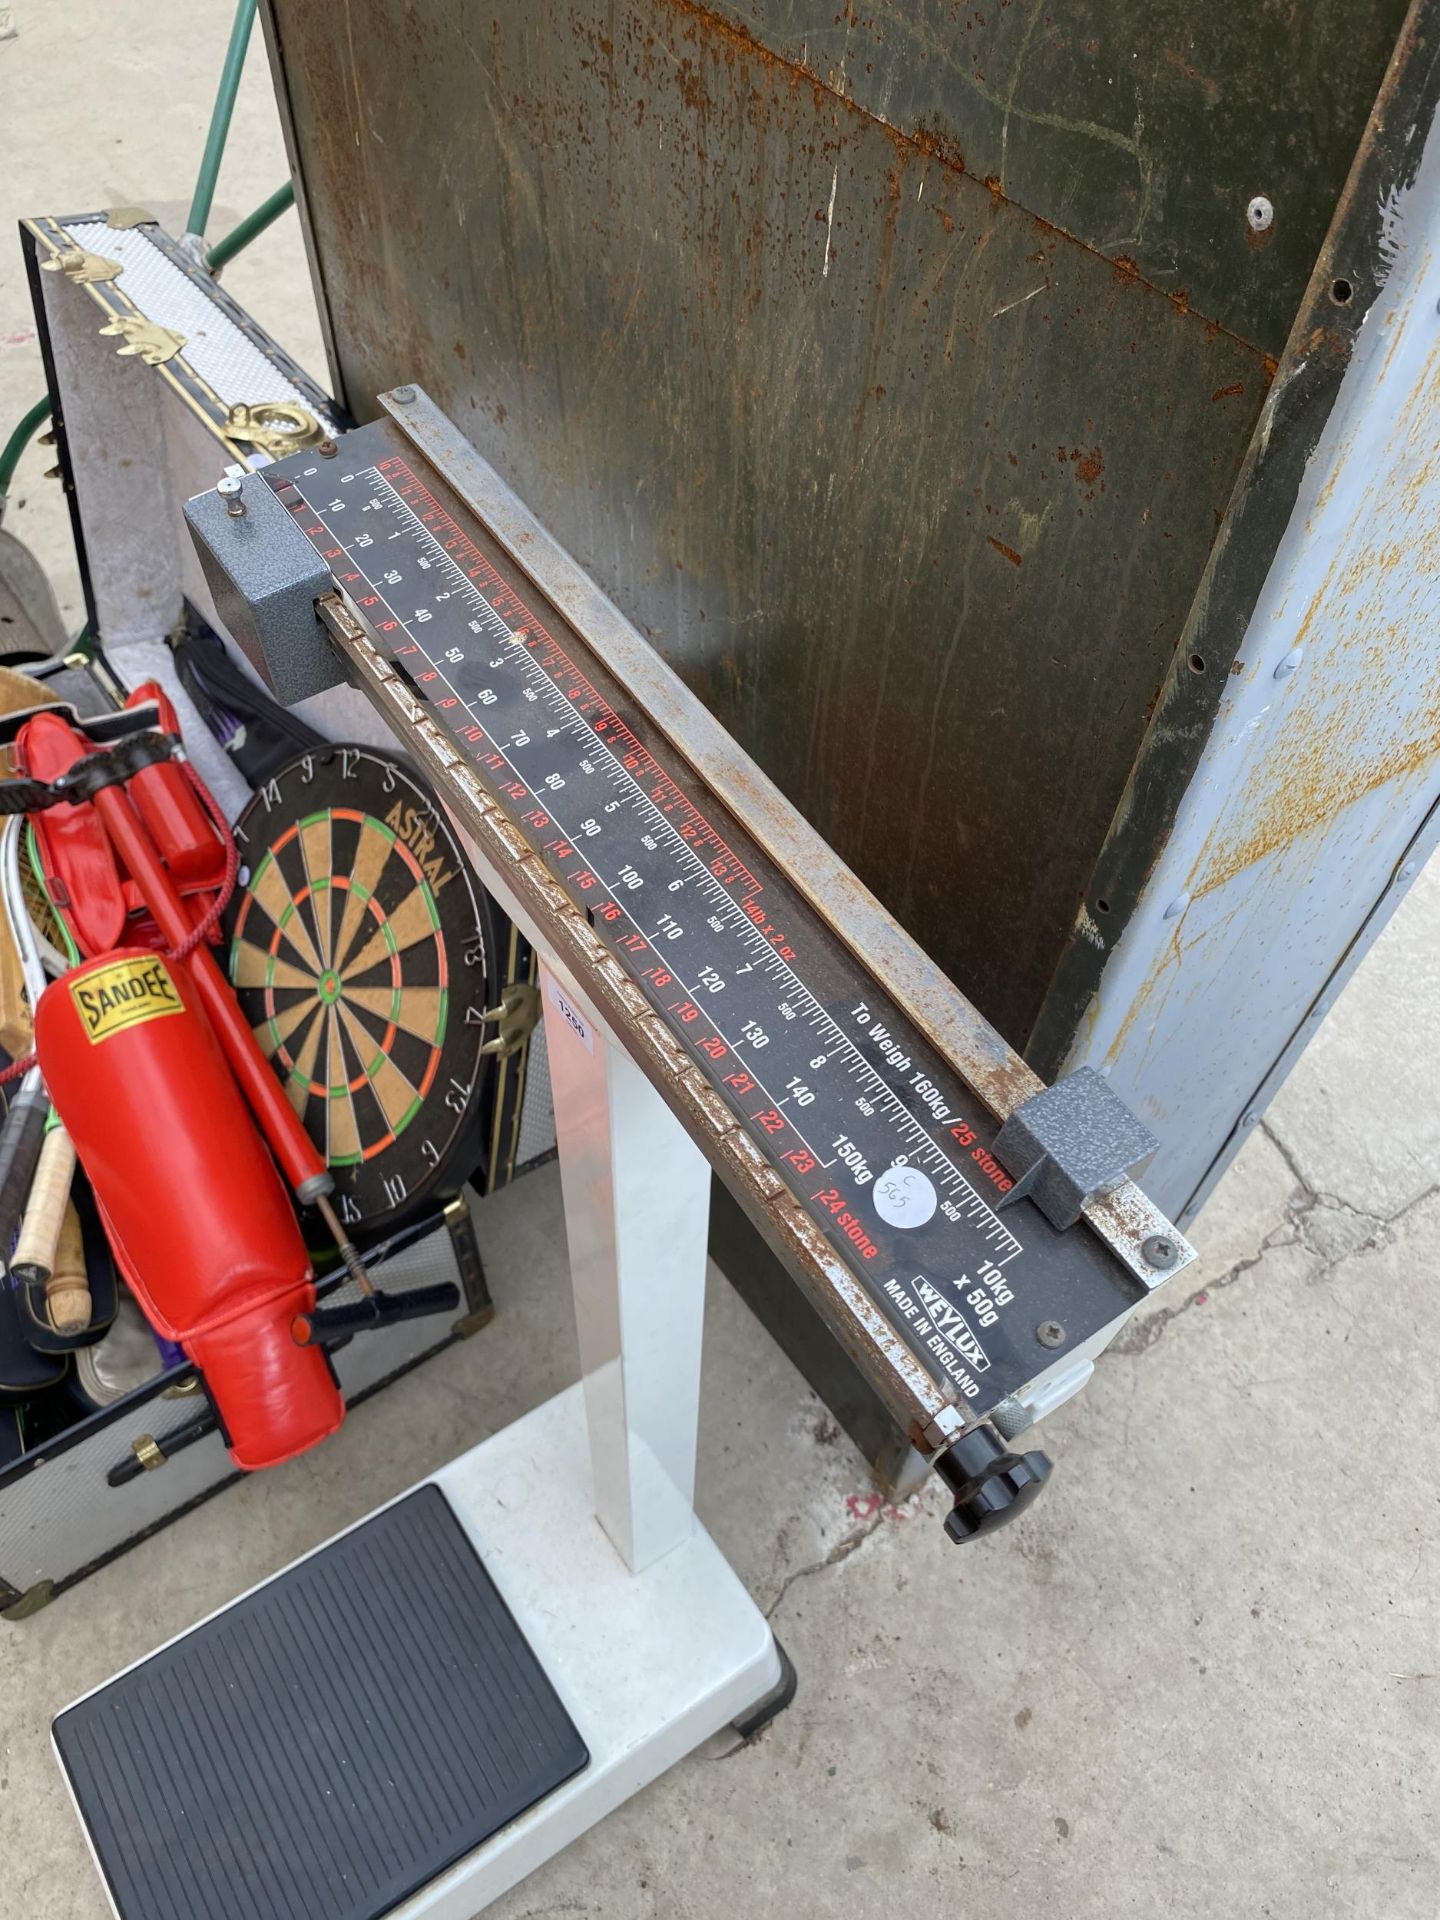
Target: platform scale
(544, 1627)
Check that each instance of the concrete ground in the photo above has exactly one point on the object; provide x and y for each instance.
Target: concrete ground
(1201, 1678)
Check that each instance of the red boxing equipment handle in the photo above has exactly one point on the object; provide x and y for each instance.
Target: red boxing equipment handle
(153, 816)
(297, 1153)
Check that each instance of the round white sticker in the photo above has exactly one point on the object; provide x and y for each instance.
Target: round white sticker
(904, 1197)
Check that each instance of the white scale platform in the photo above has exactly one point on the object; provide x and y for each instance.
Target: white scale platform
(649, 1665)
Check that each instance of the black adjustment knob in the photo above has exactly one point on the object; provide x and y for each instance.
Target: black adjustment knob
(990, 1484)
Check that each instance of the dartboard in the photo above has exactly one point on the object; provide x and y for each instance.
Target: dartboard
(359, 953)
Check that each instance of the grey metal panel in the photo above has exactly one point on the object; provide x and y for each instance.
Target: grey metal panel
(1314, 798)
(1416, 853)
(60, 1515)
(1351, 271)
(912, 488)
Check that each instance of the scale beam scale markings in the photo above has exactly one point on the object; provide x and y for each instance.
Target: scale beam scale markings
(846, 1092)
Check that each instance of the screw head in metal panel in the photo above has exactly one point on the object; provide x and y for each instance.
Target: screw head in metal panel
(1251, 1119)
(327, 449)
(1407, 872)
(1050, 1333)
(1260, 214)
(1159, 1251)
(1291, 661)
(402, 396)
(1177, 906)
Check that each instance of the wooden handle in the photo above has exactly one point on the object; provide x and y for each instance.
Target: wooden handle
(67, 1302)
(16, 1032)
(67, 1291)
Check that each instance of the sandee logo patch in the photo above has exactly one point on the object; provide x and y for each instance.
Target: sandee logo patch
(122, 995)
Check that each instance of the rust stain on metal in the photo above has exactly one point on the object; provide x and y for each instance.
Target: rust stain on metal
(1330, 750)
(1089, 468)
(1317, 771)
(742, 121)
(1183, 67)
(733, 42)
(1009, 552)
(1126, 1217)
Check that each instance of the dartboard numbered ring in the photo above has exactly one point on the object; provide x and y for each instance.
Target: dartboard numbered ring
(361, 950)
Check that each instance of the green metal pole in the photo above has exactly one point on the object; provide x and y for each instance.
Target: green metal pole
(220, 118)
(19, 440)
(254, 223)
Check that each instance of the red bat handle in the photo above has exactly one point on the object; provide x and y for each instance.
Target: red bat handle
(299, 1158)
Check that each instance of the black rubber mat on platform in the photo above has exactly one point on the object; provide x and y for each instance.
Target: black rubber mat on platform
(328, 1744)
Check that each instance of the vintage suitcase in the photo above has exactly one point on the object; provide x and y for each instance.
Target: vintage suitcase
(76, 1491)
(137, 432)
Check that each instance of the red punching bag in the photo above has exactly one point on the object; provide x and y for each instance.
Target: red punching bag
(195, 1208)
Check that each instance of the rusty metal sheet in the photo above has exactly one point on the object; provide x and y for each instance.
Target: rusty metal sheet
(1143, 130)
(911, 488)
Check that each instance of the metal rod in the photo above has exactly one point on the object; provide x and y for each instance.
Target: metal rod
(345, 1245)
(29, 426)
(220, 118)
(299, 1158)
(252, 225)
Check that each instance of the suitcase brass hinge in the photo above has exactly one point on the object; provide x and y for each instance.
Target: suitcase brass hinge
(275, 427)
